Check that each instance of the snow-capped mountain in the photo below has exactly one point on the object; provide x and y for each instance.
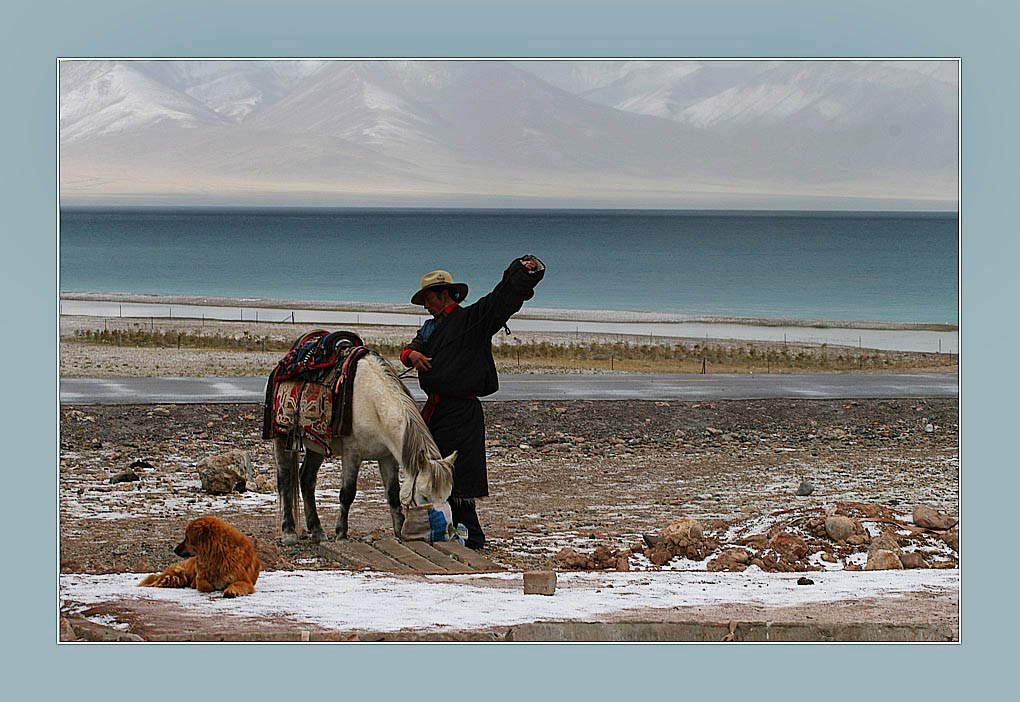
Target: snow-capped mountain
(616, 132)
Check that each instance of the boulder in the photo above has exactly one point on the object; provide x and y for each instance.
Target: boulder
(682, 530)
(739, 555)
(930, 518)
(913, 559)
(126, 476)
(839, 527)
(885, 542)
(952, 539)
(225, 472)
(725, 561)
(569, 558)
(881, 559)
(805, 489)
(791, 546)
(67, 631)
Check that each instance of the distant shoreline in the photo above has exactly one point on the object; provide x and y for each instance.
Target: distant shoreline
(536, 313)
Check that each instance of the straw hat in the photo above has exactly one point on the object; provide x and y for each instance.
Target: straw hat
(437, 280)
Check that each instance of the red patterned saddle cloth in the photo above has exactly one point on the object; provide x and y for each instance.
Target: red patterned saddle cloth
(310, 392)
(305, 408)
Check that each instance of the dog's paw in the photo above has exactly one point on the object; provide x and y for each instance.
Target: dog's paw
(239, 588)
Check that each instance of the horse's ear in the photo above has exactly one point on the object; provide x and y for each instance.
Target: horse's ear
(451, 459)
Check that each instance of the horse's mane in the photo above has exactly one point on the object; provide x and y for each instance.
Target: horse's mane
(419, 449)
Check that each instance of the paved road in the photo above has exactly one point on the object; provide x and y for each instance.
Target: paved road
(546, 387)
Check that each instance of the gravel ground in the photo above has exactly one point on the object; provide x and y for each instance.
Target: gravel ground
(562, 474)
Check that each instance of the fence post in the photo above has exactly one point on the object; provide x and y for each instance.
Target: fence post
(704, 365)
(611, 361)
(178, 341)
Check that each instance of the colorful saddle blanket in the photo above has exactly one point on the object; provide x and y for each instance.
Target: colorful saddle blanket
(310, 391)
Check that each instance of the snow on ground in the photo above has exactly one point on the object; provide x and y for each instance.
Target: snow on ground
(345, 601)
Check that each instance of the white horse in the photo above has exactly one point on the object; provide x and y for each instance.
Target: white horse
(386, 426)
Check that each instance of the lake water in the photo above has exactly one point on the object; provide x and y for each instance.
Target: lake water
(805, 265)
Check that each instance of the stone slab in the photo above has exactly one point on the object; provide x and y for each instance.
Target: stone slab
(465, 555)
(442, 560)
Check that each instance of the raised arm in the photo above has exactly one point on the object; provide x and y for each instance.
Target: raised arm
(491, 312)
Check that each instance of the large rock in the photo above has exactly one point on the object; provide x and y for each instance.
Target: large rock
(930, 518)
(952, 539)
(569, 558)
(881, 559)
(226, 472)
(885, 542)
(913, 559)
(682, 530)
(790, 546)
(839, 527)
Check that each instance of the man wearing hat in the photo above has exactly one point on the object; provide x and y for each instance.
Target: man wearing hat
(453, 355)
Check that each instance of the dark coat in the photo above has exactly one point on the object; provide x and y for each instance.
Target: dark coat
(460, 345)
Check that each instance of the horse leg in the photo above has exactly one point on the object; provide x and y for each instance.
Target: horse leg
(309, 474)
(349, 488)
(389, 469)
(286, 488)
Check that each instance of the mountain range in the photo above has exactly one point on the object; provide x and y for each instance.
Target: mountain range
(718, 134)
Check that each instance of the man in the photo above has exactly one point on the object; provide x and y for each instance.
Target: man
(453, 355)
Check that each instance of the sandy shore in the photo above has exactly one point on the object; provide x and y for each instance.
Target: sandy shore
(529, 312)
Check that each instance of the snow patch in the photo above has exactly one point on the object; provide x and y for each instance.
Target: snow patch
(343, 601)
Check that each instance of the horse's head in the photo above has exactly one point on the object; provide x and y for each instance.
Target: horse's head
(433, 483)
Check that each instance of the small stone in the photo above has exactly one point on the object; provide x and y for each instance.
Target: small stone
(539, 582)
(929, 428)
(124, 477)
(140, 464)
(805, 489)
(805, 581)
(827, 557)
(857, 539)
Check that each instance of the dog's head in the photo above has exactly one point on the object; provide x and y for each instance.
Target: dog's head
(194, 536)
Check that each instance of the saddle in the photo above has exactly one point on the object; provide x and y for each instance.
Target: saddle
(309, 392)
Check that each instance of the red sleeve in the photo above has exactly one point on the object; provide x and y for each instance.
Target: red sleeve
(403, 356)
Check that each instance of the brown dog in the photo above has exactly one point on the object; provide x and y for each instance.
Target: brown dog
(222, 558)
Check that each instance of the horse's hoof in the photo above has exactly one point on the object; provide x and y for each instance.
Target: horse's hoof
(290, 539)
(317, 537)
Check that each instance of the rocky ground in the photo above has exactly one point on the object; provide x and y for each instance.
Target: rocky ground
(581, 476)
